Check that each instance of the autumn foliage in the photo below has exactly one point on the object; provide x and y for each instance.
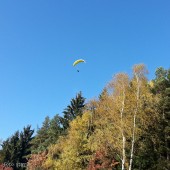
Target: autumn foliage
(2, 167)
(126, 127)
(102, 160)
(36, 161)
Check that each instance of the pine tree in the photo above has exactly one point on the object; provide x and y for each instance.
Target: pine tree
(73, 110)
(11, 150)
(154, 145)
(41, 140)
(16, 148)
(25, 143)
(55, 129)
(162, 89)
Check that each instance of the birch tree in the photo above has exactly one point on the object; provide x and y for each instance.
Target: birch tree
(120, 86)
(139, 72)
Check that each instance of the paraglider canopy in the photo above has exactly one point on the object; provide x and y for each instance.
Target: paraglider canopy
(78, 61)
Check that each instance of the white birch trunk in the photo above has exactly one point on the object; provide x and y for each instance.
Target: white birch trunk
(122, 131)
(123, 152)
(133, 142)
(134, 122)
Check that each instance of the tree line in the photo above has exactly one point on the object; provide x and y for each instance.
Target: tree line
(125, 128)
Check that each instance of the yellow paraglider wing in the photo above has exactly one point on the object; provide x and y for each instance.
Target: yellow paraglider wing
(78, 61)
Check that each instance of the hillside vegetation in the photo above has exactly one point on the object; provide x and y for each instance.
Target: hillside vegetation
(126, 128)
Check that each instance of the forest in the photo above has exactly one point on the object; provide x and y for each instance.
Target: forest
(125, 128)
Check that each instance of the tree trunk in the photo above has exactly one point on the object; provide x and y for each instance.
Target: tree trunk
(134, 121)
(133, 142)
(123, 153)
(123, 137)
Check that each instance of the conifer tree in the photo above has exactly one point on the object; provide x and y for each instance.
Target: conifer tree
(41, 140)
(73, 110)
(25, 143)
(162, 89)
(16, 148)
(55, 129)
(47, 134)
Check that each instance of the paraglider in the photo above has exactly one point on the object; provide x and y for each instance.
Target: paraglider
(77, 62)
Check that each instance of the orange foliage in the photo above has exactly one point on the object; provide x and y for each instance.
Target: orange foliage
(102, 160)
(2, 167)
(36, 160)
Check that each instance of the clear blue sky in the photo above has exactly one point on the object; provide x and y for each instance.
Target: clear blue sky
(40, 39)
